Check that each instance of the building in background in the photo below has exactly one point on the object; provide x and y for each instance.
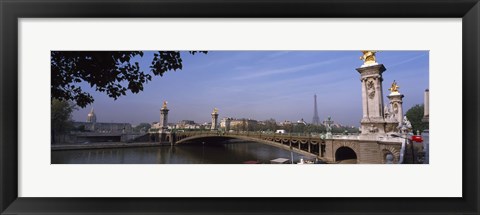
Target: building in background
(242, 124)
(91, 117)
(91, 125)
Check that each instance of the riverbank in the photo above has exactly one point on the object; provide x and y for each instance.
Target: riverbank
(104, 145)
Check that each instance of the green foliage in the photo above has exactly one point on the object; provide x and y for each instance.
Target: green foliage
(299, 128)
(142, 126)
(271, 125)
(317, 129)
(311, 128)
(80, 128)
(61, 116)
(111, 72)
(287, 127)
(344, 129)
(415, 116)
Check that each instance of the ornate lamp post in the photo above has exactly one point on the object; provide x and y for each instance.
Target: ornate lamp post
(322, 145)
(328, 125)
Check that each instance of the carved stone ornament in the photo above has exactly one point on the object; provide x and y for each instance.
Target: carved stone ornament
(370, 84)
(373, 129)
(395, 108)
(371, 94)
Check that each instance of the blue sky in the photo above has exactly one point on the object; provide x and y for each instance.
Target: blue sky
(262, 85)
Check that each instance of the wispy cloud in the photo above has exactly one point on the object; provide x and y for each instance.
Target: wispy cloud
(275, 55)
(298, 68)
(408, 60)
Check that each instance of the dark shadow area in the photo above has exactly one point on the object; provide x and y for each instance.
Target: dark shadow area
(345, 153)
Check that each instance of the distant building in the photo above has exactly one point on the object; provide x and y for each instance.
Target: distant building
(187, 124)
(91, 125)
(171, 126)
(301, 122)
(206, 125)
(155, 125)
(238, 124)
(286, 122)
(91, 117)
(103, 127)
(225, 123)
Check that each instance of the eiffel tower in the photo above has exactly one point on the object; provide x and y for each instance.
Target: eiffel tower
(316, 119)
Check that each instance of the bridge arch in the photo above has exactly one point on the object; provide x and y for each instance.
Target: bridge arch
(344, 153)
(282, 143)
(342, 143)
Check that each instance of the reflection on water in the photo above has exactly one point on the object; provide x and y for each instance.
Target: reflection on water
(225, 153)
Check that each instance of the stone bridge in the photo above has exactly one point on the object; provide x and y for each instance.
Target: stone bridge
(339, 149)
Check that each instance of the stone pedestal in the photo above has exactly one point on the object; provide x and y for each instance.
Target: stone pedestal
(373, 121)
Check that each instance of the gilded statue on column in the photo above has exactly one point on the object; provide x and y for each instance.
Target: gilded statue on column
(368, 57)
(215, 110)
(164, 104)
(394, 87)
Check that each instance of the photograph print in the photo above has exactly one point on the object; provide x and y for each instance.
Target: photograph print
(240, 107)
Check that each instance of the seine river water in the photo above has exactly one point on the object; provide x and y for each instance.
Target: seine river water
(233, 152)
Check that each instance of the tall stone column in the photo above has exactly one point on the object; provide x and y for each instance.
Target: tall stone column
(396, 101)
(373, 121)
(214, 119)
(426, 106)
(164, 117)
(394, 117)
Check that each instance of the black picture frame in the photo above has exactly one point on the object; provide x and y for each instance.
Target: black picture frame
(11, 11)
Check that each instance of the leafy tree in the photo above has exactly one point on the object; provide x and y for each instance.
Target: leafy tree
(61, 115)
(236, 127)
(111, 72)
(299, 128)
(271, 124)
(288, 127)
(259, 127)
(311, 128)
(80, 128)
(142, 126)
(415, 116)
(244, 124)
(337, 130)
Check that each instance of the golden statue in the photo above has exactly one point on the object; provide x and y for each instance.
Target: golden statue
(215, 110)
(394, 88)
(164, 104)
(368, 57)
